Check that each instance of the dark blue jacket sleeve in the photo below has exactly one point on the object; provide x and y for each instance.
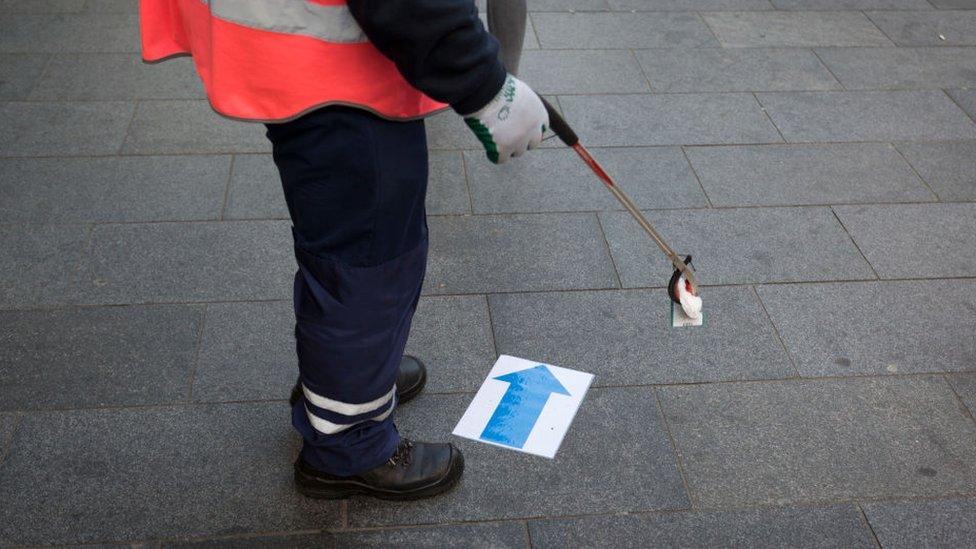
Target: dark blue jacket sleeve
(439, 46)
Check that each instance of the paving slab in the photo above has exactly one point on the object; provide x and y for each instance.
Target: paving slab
(949, 168)
(190, 127)
(923, 28)
(176, 262)
(796, 29)
(135, 474)
(41, 6)
(69, 32)
(447, 187)
(923, 115)
(814, 5)
(914, 240)
(582, 71)
(782, 175)
(622, 30)
(247, 352)
(583, 478)
(677, 119)
(780, 442)
(101, 76)
(8, 424)
(562, 5)
(109, 6)
(453, 336)
(947, 523)
(718, 70)
(97, 356)
(495, 535)
(625, 337)
(517, 253)
(694, 5)
(737, 246)
(47, 129)
(147, 188)
(901, 68)
(965, 387)
(255, 189)
(38, 262)
(835, 526)
(18, 73)
(954, 4)
(966, 99)
(875, 328)
(557, 180)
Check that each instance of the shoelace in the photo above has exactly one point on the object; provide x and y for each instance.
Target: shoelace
(402, 454)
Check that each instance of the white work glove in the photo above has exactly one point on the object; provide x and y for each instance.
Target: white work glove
(511, 123)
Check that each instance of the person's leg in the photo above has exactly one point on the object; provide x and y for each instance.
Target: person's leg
(355, 187)
(506, 21)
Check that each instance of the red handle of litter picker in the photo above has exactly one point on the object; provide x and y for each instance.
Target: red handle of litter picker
(559, 125)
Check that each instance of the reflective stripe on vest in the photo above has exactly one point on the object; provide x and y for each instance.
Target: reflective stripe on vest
(330, 23)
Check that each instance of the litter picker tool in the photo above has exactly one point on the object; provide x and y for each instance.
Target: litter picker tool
(682, 288)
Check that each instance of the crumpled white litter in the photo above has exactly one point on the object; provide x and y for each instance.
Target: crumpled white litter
(690, 303)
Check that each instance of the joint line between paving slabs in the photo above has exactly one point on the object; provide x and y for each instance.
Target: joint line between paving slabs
(491, 324)
(128, 128)
(230, 177)
(6, 445)
(37, 82)
(853, 241)
(75, 279)
(694, 172)
(877, 26)
(467, 181)
(827, 68)
(770, 118)
(959, 401)
(714, 34)
(640, 67)
(956, 103)
(866, 522)
(914, 171)
(678, 461)
(613, 263)
(196, 354)
(528, 534)
(779, 336)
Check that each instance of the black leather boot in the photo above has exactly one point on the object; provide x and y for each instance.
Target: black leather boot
(416, 470)
(410, 381)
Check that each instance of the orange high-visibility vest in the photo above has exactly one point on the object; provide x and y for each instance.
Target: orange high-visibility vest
(274, 60)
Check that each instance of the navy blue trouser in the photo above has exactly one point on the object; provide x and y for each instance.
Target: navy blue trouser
(355, 186)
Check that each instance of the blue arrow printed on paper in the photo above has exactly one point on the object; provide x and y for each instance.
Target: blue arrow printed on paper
(515, 416)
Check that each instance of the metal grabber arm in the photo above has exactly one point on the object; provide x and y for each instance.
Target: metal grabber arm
(569, 137)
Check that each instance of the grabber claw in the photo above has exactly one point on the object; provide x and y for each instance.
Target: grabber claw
(673, 283)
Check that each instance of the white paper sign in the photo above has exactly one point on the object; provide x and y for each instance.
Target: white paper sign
(524, 405)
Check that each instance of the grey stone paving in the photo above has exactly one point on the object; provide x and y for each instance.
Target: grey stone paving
(816, 157)
(782, 442)
(950, 523)
(838, 526)
(865, 328)
(738, 246)
(788, 175)
(915, 240)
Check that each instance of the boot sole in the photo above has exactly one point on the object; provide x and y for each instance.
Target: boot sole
(317, 488)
